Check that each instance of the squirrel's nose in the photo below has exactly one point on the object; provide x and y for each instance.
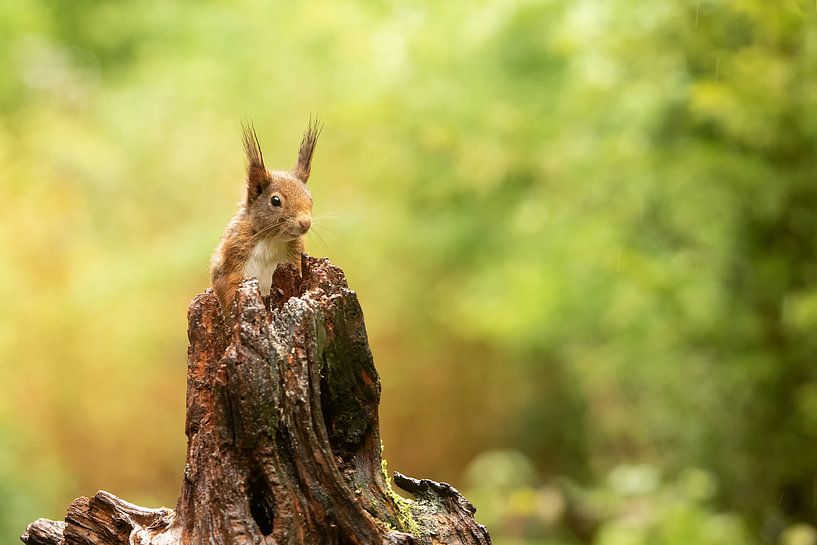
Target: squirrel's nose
(305, 224)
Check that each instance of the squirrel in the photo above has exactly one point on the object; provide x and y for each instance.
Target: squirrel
(270, 224)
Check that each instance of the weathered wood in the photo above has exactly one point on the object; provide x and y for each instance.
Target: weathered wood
(283, 437)
(43, 532)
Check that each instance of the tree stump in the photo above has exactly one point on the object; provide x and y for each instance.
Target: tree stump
(283, 438)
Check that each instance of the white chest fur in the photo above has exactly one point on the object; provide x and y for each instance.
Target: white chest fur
(263, 261)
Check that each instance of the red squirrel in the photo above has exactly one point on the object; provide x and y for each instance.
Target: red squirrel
(270, 224)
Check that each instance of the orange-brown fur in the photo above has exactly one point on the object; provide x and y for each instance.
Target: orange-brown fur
(261, 235)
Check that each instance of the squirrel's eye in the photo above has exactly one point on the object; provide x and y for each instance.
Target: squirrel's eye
(275, 201)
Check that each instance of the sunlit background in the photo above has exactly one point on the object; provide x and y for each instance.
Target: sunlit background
(583, 235)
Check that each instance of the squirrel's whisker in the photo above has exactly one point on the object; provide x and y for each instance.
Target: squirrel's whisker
(328, 228)
(267, 230)
(321, 240)
(336, 215)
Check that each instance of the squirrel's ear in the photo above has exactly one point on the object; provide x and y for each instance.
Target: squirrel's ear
(310, 138)
(257, 179)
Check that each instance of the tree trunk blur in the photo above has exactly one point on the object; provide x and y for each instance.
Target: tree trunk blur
(283, 438)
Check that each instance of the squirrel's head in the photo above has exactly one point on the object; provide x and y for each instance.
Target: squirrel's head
(278, 203)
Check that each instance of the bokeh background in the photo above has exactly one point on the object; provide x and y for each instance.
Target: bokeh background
(583, 234)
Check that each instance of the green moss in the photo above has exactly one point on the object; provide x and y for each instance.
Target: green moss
(404, 516)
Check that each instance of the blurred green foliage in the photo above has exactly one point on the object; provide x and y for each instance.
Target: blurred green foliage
(583, 231)
(632, 506)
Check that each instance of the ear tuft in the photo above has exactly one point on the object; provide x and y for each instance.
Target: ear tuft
(251, 146)
(256, 171)
(310, 138)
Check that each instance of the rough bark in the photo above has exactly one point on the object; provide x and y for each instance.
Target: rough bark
(283, 438)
